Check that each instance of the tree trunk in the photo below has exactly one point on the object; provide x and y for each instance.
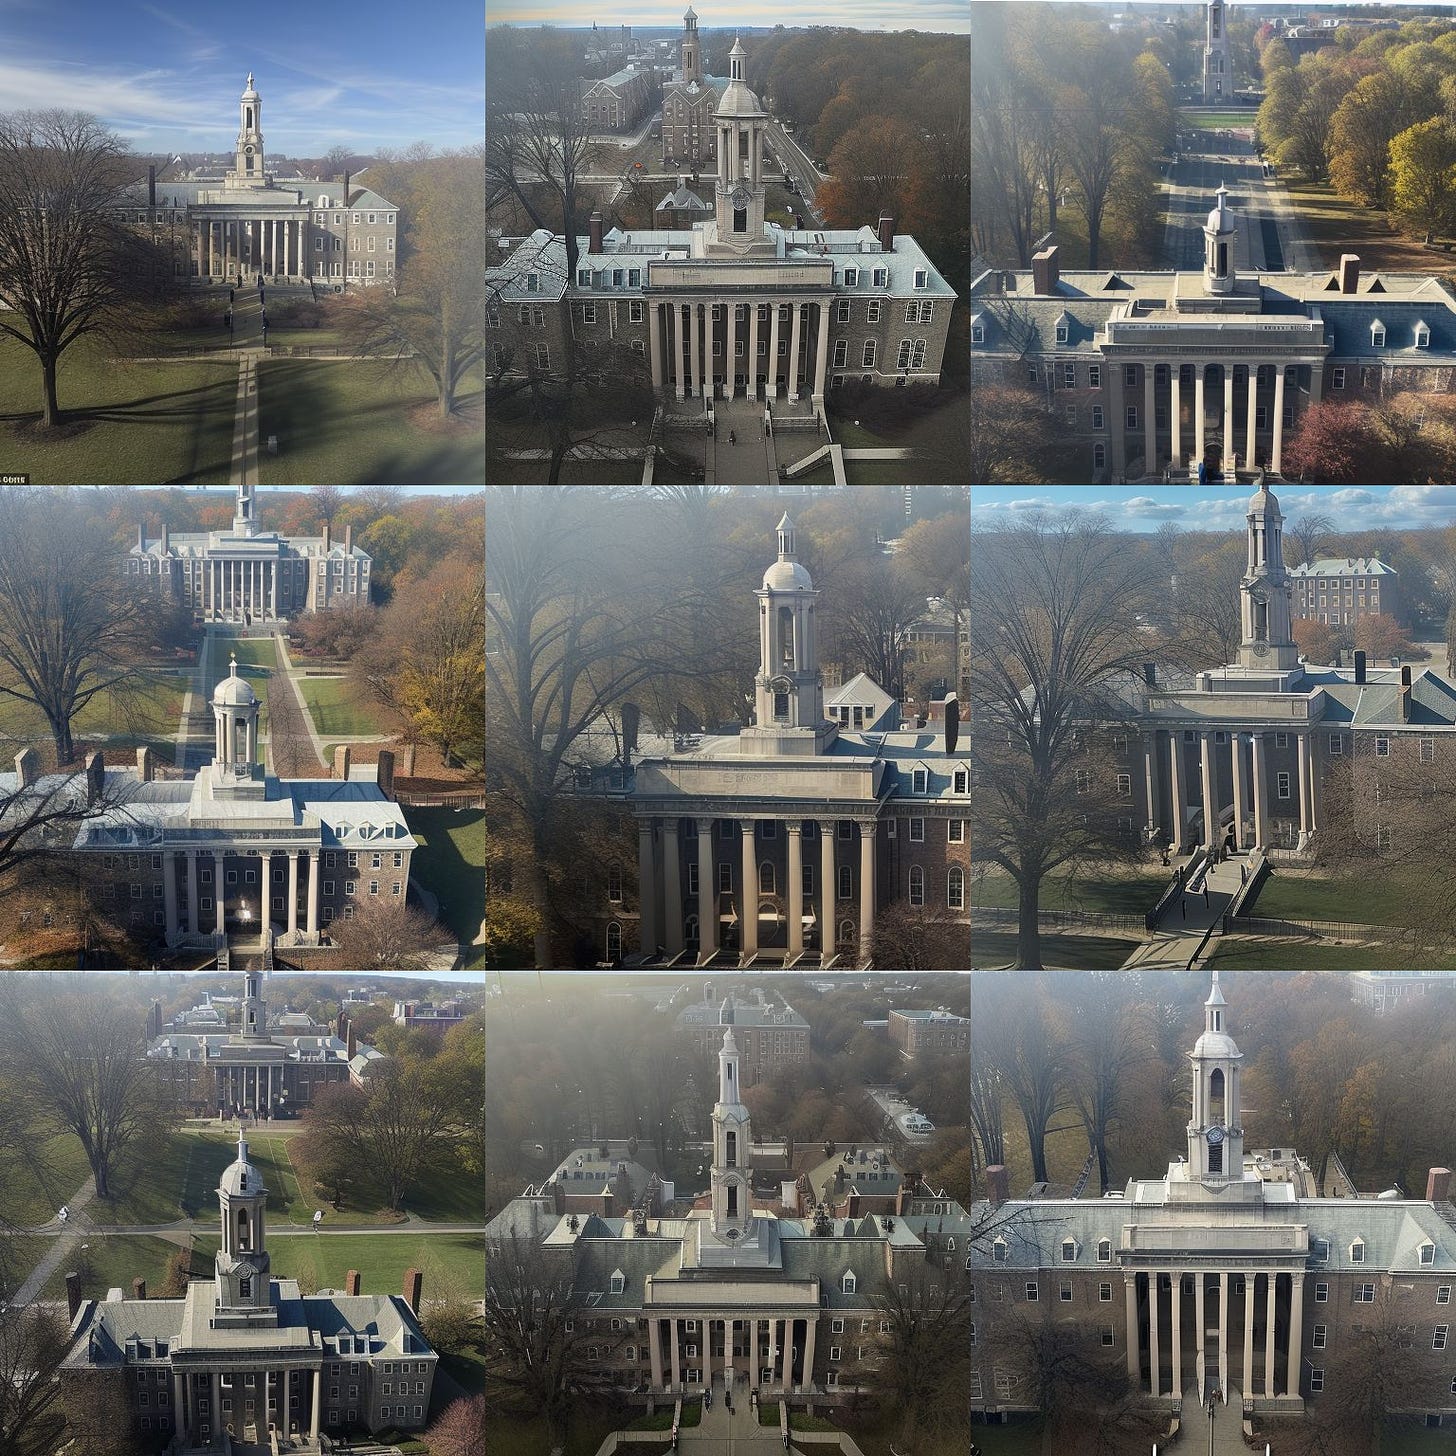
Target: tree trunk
(1028, 927)
(51, 414)
(1036, 1145)
(61, 737)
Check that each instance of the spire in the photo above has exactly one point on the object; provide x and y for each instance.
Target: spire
(785, 529)
(245, 517)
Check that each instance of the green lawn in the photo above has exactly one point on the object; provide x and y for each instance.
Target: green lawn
(45, 1175)
(112, 1261)
(1068, 952)
(451, 862)
(337, 706)
(576, 472)
(515, 1436)
(125, 423)
(250, 651)
(1106, 894)
(350, 422)
(1219, 120)
(1363, 901)
(149, 714)
(1336, 225)
(1237, 953)
(1021, 1439)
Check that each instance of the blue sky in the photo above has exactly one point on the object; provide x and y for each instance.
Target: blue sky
(927, 15)
(361, 74)
(1218, 508)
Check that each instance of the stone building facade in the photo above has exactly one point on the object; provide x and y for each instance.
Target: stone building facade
(250, 224)
(619, 101)
(245, 1357)
(920, 1032)
(737, 1295)
(1341, 590)
(1152, 373)
(771, 1038)
(688, 103)
(1229, 1274)
(248, 575)
(788, 838)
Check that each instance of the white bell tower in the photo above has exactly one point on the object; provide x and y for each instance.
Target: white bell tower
(1219, 233)
(244, 1279)
(1215, 1130)
(740, 192)
(1264, 594)
(1218, 80)
(788, 691)
(248, 170)
(731, 1182)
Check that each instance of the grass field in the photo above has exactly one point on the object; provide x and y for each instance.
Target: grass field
(1336, 225)
(575, 472)
(250, 651)
(148, 715)
(125, 423)
(51, 1172)
(1237, 953)
(514, 1436)
(1021, 1439)
(451, 861)
(350, 422)
(1363, 901)
(1067, 952)
(1107, 894)
(112, 1261)
(1219, 120)
(337, 706)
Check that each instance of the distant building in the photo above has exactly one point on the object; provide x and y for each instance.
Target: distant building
(770, 1038)
(436, 1016)
(688, 103)
(1342, 590)
(1388, 990)
(248, 575)
(248, 1358)
(619, 101)
(918, 1032)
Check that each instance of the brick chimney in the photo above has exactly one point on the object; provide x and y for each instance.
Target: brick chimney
(886, 233)
(1045, 271)
(95, 775)
(594, 230)
(146, 765)
(349, 539)
(27, 767)
(384, 773)
(1405, 694)
(413, 1283)
(328, 538)
(558, 1196)
(852, 1209)
(166, 538)
(1359, 666)
(138, 1288)
(407, 761)
(1438, 1185)
(341, 761)
(351, 1282)
(952, 710)
(151, 186)
(999, 1181)
(1349, 272)
(141, 535)
(73, 1295)
(351, 1039)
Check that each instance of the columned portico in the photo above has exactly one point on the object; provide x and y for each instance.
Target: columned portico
(748, 935)
(707, 893)
(794, 829)
(866, 885)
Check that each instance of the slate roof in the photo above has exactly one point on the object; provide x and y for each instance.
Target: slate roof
(1376, 704)
(1341, 566)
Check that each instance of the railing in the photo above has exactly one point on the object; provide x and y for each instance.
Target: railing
(1062, 919)
(445, 798)
(1319, 929)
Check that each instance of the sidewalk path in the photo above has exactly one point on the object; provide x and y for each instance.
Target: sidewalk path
(196, 688)
(245, 421)
(50, 1261)
(1179, 933)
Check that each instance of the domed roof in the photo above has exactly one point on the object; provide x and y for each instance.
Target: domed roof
(241, 1178)
(738, 100)
(1220, 220)
(250, 94)
(1263, 500)
(234, 691)
(787, 576)
(1216, 1044)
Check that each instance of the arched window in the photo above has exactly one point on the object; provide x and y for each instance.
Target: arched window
(732, 1200)
(614, 941)
(955, 888)
(917, 885)
(1216, 1095)
(690, 931)
(730, 1149)
(846, 932)
(766, 878)
(243, 1230)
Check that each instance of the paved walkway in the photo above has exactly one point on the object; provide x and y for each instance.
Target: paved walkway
(722, 1432)
(291, 673)
(1178, 934)
(245, 421)
(50, 1261)
(1228, 1425)
(196, 690)
(747, 459)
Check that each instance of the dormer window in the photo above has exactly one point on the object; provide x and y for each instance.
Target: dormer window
(848, 1283)
(1357, 1252)
(583, 277)
(978, 329)
(881, 277)
(1423, 334)
(851, 277)
(1063, 325)
(1104, 1251)
(1377, 335)
(1069, 1251)
(999, 1250)
(922, 277)
(918, 779)
(1428, 1253)
(619, 1282)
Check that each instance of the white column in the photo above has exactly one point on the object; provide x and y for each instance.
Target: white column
(1150, 419)
(1277, 453)
(193, 923)
(654, 342)
(1247, 1373)
(821, 359)
(795, 336)
(751, 373)
(730, 346)
(1210, 795)
(1175, 405)
(827, 888)
(293, 892)
(1223, 1289)
(1200, 1319)
(867, 837)
(313, 1429)
(1271, 1283)
(219, 888)
(672, 905)
(646, 888)
(707, 892)
(314, 860)
(675, 329)
(1134, 1343)
(169, 892)
(1250, 444)
(811, 1326)
(1261, 794)
(1228, 416)
(795, 831)
(748, 899)
(654, 1349)
(728, 1343)
(1154, 1342)
(788, 1354)
(1306, 817)
(1176, 1334)
(1175, 785)
(673, 1335)
(1237, 747)
(697, 351)
(1296, 1334)
(773, 352)
(1150, 779)
(1198, 416)
(179, 1405)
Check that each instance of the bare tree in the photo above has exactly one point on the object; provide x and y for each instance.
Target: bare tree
(85, 1072)
(1027, 1059)
(1059, 606)
(33, 1341)
(388, 934)
(460, 1428)
(71, 628)
(1308, 533)
(876, 605)
(68, 267)
(326, 500)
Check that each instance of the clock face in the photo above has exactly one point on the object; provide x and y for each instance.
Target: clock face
(741, 197)
(248, 150)
(1261, 649)
(1214, 1136)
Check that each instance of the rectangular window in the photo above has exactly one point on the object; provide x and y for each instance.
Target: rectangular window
(1132, 417)
(1438, 1337)
(1316, 1380)
(1382, 748)
(841, 352)
(917, 831)
(634, 311)
(1032, 1292)
(1443, 1294)
(1065, 1292)
(588, 313)
(1284, 785)
(841, 311)
(1321, 1293)
(1069, 375)
(1318, 1338)
(867, 358)
(872, 315)
(1364, 1294)
(1097, 417)
(1104, 1294)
